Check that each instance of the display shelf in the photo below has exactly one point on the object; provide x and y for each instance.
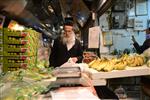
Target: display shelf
(128, 72)
(99, 82)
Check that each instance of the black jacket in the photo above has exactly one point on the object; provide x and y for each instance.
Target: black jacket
(141, 49)
(59, 54)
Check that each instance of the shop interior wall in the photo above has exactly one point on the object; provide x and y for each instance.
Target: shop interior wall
(122, 37)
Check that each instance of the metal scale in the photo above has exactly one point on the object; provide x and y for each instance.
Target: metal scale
(67, 76)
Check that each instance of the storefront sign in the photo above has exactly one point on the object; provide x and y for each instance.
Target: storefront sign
(140, 24)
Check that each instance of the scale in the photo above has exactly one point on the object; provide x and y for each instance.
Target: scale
(67, 76)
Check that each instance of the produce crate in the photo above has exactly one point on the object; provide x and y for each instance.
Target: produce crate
(15, 41)
(1, 31)
(23, 57)
(12, 63)
(1, 53)
(1, 59)
(1, 41)
(1, 66)
(14, 49)
(1, 36)
(5, 53)
(1, 45)
(22, 65)
(5, 69)
(1, 48)
(15, 33)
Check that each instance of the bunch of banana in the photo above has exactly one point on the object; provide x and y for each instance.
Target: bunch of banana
(109, 66)
(94, 63)
(102, 65)
(120, 65)
(124, 57)
(98, 64)
(136, 60)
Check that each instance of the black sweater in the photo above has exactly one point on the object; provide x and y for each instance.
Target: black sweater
(141, 49)
(60, 54)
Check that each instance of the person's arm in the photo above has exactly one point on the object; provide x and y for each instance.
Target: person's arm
(137, 46)
(145, 45)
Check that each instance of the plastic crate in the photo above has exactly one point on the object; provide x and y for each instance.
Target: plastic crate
(1, 41)
(6, 68)
(23, 57)
(15, 33)
(1, 45)
(9, 48)
(1, 48)
(1, 36)
(1, 66)
(12, 66)
(15, 41)
(22, 65)
(10, 60)
(5, 53)
(1, 53)
(1, 59)
(1, 31)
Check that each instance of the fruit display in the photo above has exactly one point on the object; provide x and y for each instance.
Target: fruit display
(105, 64)
(133, 60)
(19, 49)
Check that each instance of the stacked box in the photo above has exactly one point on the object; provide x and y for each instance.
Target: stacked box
(1, 42)
(1, 49)
(13, 63)
(19, 49)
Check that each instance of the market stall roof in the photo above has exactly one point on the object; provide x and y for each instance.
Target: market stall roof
(45, 15)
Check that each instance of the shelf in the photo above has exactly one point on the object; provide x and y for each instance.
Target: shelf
(128, 72)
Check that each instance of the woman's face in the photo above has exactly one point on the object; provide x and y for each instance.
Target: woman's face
(68, 30)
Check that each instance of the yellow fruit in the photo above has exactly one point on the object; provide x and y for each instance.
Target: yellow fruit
(95, 64)
(91, 63)
(109, 66)
(133, 61)
(148, 63)
(140, 60)
(120, 66)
